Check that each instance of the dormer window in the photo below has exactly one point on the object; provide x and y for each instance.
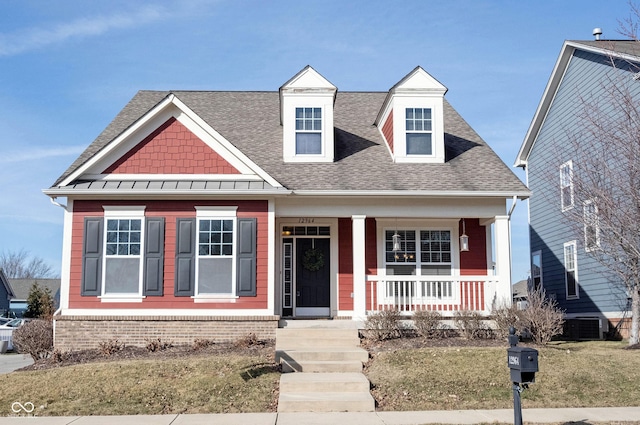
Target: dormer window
(419, 131)
(308, 131)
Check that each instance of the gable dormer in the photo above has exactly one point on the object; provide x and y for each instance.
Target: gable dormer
(306, 115)
(411, 119)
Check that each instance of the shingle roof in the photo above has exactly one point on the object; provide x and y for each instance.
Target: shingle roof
(251, 122)
(22, 287)
(625, 47)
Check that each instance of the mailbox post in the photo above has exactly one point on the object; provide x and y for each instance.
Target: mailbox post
(523, 365)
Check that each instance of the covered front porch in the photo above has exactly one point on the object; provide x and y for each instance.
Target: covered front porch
(336, 266)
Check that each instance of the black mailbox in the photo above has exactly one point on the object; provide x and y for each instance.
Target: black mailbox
(523, 363)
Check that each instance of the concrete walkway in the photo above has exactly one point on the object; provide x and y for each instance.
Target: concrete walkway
(590, 415)
(13, 361)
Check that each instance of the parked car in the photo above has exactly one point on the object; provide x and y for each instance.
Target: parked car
(14, 323)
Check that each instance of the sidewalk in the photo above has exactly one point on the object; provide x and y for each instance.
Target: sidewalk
(591, 415)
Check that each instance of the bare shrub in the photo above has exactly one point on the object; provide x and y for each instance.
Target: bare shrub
(506, 316)
(428, 323)
(200, 343)
(542, 317)
(34, 338)
(249, 340)
(110, 346)
(384, 324)
(157, 344)
(471, 324)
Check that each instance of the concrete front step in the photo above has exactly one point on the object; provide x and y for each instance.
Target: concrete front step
(326, 402)
(306, 338)
(325, 353)
(323, 382)
(321, 366)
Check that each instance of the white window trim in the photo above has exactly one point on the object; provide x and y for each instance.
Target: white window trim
(321, 131)
(407, 132)
(595, 224)
(115, 212)
(453, 247)
(575, 270)
(215, 213)
(568, 164)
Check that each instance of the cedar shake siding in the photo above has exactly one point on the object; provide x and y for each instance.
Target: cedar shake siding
(171, 149)
(171, 211)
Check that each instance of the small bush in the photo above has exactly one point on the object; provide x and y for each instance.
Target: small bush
(542, 317)
(249, 340)
(200, 343)
(34, 338)
(471, 324)
(110, 347)
(428, 323)
(157, 344)
(385, 324)
(507, 316)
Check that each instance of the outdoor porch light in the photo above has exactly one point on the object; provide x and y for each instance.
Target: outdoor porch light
(464, 239)
(396, 242)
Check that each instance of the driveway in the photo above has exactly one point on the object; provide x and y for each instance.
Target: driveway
(12, 361)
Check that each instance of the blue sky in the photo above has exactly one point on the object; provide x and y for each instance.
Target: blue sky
(67, 68)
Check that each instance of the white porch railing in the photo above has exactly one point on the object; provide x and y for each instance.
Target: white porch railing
(440, 293)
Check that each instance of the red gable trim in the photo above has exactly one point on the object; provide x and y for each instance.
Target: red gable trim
(171, 149)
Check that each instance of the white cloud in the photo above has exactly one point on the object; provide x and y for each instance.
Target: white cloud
(39, 153)
(35, 38)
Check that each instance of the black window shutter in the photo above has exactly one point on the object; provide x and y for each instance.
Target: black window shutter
(246, 258)
(92, 257)
(153, 256)
(185, 257)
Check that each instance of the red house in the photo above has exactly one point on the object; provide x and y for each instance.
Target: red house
(199, 214)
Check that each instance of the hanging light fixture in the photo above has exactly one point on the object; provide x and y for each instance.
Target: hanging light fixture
(396, 242)
(464, 239)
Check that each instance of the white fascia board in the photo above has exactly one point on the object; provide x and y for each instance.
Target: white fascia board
(189, 119)
(156, 194)
(604, 51)
(416, 193)
(106, 150)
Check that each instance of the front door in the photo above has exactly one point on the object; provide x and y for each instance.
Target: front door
(313, 286)
(306, 271)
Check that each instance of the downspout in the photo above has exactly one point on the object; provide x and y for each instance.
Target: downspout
(513, 207)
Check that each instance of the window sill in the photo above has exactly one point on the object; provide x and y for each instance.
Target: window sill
(121, 298)
(215, 298)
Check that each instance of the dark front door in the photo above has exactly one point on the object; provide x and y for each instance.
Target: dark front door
(312, 272)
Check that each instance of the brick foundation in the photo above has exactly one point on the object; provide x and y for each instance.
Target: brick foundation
(86, 332)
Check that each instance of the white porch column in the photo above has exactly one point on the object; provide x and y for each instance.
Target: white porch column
(359, 268)
(503, 259)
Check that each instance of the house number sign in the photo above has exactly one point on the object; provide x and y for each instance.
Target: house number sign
(306, 220)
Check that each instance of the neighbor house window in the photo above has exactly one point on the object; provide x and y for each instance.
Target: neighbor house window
(215, 255)
(536, 270)
(591, 226)
(571, 269)
(566, 185)
(308, 131)
(419, 131)
(123, 251)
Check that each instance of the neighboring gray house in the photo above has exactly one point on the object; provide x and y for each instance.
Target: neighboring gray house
(6, 293)
(560, 261)
(22, 287)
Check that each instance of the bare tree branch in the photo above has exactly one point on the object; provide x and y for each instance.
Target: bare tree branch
(19, 265)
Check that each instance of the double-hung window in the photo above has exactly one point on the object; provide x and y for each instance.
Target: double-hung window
(566, 185)
(308, 131)
(571, 270)
(215, 255)
(123, 249)
(419, 131)
(591, 226)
